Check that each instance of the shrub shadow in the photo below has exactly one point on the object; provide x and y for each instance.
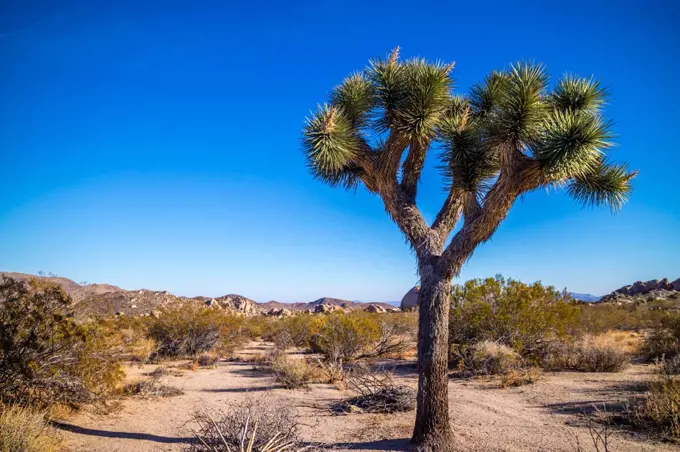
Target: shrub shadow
(124, 435)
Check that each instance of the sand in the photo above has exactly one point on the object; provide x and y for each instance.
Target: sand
(545, 416)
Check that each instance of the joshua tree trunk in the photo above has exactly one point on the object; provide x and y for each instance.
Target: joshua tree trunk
(432, 430)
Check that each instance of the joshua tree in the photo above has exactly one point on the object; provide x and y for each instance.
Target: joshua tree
(510, 135)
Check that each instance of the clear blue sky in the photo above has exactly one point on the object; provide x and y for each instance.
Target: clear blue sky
(157, 144)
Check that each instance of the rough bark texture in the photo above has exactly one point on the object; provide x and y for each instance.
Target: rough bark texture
(432, 431)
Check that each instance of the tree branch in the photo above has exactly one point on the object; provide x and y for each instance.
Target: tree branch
(522, 175)
(411, 169)
(450, 214)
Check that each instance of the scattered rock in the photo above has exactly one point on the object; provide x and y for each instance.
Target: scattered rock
(278, 313)
(326, 308)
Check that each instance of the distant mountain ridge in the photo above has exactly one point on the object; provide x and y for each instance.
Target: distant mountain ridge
(587, 297)
(105, 299)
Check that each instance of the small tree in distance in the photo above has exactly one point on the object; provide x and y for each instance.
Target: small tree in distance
(510, 135)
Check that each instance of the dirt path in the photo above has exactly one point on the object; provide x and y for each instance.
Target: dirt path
(545, 416)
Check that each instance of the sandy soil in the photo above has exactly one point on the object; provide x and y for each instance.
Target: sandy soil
(546, 416)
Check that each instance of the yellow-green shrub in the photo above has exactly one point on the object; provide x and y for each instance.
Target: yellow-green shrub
(509, 312)
(45, 357)
(190, 329)
(343, 337)
(25, 430)
(663, 342)
(659, 408)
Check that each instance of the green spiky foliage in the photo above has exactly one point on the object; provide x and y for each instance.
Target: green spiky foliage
(396, 107)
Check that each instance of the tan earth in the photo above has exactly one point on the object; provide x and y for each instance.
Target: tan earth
(545, 416)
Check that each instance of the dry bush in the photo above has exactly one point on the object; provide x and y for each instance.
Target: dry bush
(207, 359)
(153, 387)
(377, 392)
(520, 376)
(664, 342)
(584, 356)
(45, 357)
(490, 358)
(332, 372)
(626, 341)
(396, 333)
(295, 373)
(670, 366)
(190, 329)
(659, 408)
(25, 430)
(260, 425)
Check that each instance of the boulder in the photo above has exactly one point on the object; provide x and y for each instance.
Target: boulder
(326, 308)
(410, 300)
(377, 309)
(278, 312)
(676, 285)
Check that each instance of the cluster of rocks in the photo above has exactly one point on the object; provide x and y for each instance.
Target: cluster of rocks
(236, 303)
(644, 291)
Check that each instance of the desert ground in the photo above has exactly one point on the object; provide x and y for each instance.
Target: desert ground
(545, 416)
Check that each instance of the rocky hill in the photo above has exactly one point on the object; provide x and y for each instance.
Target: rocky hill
(325, 301)
(643, 292)
(97, 300)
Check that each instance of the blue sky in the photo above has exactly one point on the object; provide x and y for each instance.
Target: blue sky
(157, 144)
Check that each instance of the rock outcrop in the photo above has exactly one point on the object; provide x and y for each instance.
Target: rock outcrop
(236, 303)
(655, 289)
(377, 309)
(327, 308)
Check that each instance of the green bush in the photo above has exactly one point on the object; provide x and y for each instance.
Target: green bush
(659, 408)
(190, 329)
(294, 331)
(344, 337)
(664, 342)
(584, 357)
(45, 357)
(521, 316)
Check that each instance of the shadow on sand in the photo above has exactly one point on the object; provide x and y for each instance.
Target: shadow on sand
(123, 435)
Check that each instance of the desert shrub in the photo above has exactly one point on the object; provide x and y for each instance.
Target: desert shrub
(262, 426)
(597, 318)
(670, 366)
(659, 408)
(520, 376)
(396, 333)
(584, 357)
(294, 331)
(294, 373)
(190, 329)
(153, 387)
(377, 392)
(129, 337)
(664, 342)
(344, 337)
(490, 358)
(509, 312)
(25, 430)
(207, 359)
(45, 357)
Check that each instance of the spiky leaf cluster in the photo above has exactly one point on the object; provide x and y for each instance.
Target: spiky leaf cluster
(607, 184)
(511, 112)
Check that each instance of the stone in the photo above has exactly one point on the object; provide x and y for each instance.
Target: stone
(374, 308)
